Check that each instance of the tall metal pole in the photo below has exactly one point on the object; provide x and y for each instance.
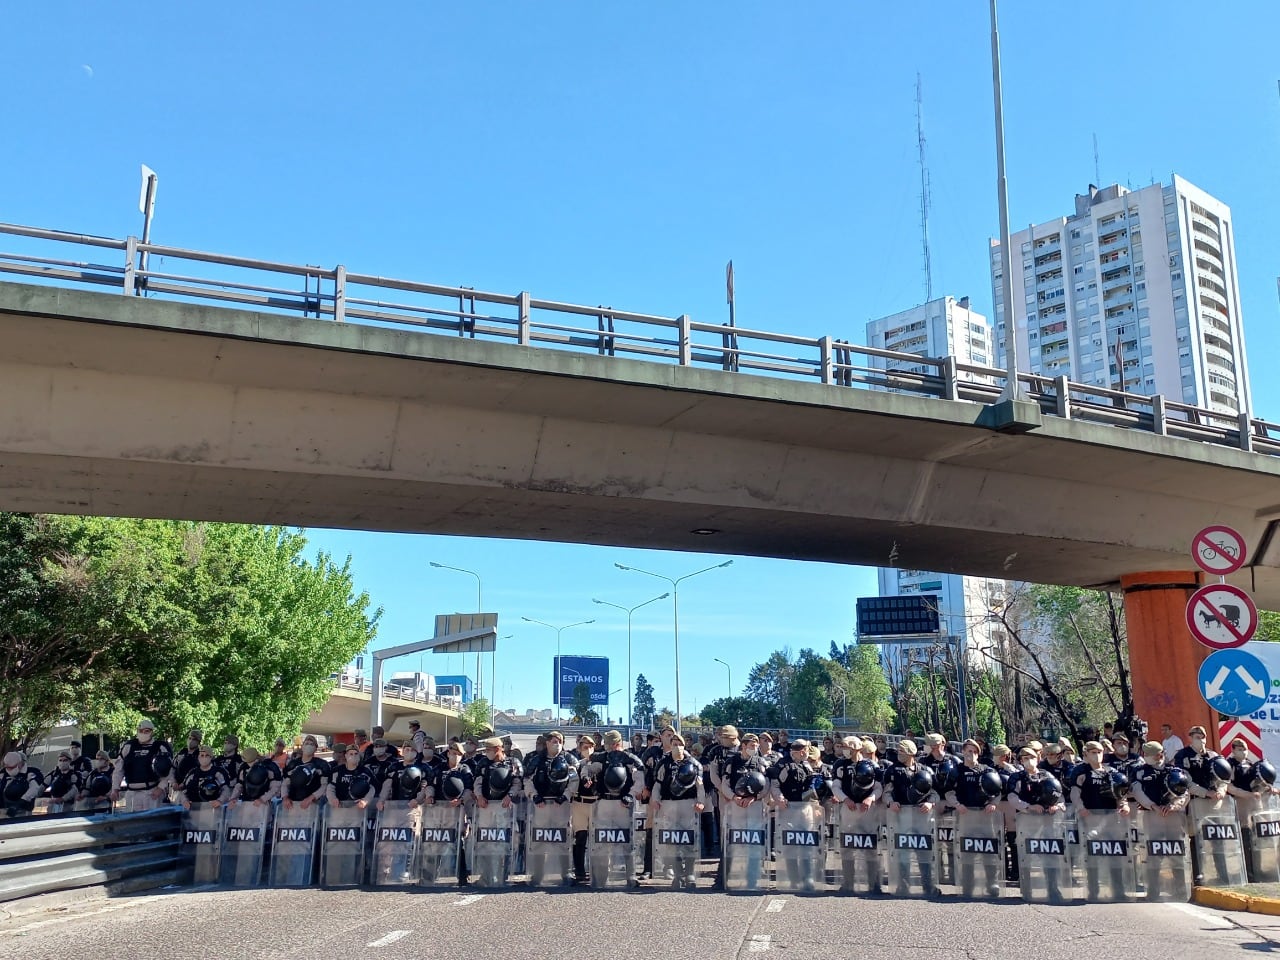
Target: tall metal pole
(1012, 390)
(675, 610)
(629, 611)
(555, 690)
(729, 671)
(479, 609)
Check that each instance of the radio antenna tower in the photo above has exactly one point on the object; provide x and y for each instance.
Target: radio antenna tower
(1097, 170)
(924, 193)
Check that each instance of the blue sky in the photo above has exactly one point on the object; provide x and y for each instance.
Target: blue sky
(606, 153)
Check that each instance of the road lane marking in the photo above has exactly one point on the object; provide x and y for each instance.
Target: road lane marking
(469, 898)
(1203, 915)
(759, 943)
(775, 906)
(391, 937)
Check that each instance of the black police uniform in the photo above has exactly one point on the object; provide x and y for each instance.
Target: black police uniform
(1027, 788)
(184, 761)
(269, 767)
(137, 760)
(299, 786)
(1199, 769)
(58, 784)
(608, 759)
(229, 765)
(1097, 792)
(394, 772)
(14, 787)
(204, 786)
(342, 778)
(463, 773)
(968, 787)
(538, 772)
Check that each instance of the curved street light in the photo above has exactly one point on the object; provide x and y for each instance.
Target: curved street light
(675, 611)
(629, 611)
(555, 692)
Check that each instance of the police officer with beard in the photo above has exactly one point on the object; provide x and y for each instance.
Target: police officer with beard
(306, 777)
(144, 769)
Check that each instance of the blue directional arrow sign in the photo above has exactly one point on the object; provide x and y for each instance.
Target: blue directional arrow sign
(1234, 683)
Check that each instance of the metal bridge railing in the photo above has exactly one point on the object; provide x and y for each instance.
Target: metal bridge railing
(337, 295)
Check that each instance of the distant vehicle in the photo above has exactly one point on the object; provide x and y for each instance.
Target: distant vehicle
(414, 684)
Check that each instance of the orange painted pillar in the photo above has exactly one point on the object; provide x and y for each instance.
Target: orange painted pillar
(1164, 658)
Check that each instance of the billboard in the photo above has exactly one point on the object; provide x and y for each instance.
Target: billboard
(1267, 717)
(571, 671)
(882, 619)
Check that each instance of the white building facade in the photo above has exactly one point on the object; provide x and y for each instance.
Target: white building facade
(940, 328)
(1135, 291)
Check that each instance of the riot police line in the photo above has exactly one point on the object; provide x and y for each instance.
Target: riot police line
(1107, 827)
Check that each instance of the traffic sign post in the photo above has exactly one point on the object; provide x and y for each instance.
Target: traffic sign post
(1234, 683)
(1218, 550)
(1221, 616)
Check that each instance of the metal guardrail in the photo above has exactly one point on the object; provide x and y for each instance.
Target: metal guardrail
(338, 295)
(55, 853)
(395, 691)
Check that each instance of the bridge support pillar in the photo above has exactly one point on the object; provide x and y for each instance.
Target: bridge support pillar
(1164, 658)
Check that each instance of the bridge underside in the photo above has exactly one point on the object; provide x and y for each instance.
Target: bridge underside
(121, 406)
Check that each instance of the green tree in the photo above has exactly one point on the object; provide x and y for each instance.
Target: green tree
(475, 718)
(219, 626)
(866, 687)
(583, 712)
(741, 712)
(770, 682)
(1268, 627)
(642, 714)
(809, 693)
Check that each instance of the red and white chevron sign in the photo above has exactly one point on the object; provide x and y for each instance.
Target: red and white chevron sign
(1228, 730)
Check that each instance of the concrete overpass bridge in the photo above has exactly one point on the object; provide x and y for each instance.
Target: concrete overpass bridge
(328, 398)
(348, 710)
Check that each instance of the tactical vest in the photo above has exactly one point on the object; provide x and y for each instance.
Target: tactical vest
(794, 780)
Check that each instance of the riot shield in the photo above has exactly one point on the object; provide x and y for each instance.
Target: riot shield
(1218, 850)
(490, 845)
(911, 852)
(244, 832)
(858, 842)
(744, 844)
(342, 846)
(438, 844)
(1264, 839)
(1044, 868)
(293, 850)
(1106, 856)
(1165, 864)
(609, 845)
(944, 834)
(202, 842)
(549, 854)
(677, 843)
(395, 845)
(799, 847)
(979, 854)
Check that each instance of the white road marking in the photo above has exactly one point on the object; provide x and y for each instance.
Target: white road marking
(775, 906)
(469, 898)
(391, 937)
(1203, 915)
(759, 943)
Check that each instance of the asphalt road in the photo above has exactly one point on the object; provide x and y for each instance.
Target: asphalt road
(641, 925)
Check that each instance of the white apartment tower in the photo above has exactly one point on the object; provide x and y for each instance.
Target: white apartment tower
(939, 328)
(1135, 291)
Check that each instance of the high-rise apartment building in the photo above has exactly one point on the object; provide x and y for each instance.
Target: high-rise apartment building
(940, 328)
(1135, 291)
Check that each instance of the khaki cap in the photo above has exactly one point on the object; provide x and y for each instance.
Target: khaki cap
(612, 736)
(555, 735)
(675, 738)
(908, 747)
(250, 754)
(1152, 748)
(933, 739)
(729, 730)
(491, 742)
(586, 738)
(750, 738)
(456, 747)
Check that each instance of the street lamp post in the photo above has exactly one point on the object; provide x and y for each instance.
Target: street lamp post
(675, 612)
(479, 609)
(555, 690)
(728, 670)
(629, 611)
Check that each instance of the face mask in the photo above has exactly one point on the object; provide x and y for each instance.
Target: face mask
(1028, 764)
(379, 751)
(1198, 743)
(144, 736)
(308, 749)
(100, 764)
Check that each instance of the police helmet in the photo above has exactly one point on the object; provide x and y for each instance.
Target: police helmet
(99, 785)
(751, 784)
(452, 787)
(1119, 783)
(864, 773)
(922, 780)
(161, 764)
(303, 781)
(1220, 769)
(558, 770)
(991, 784)
(359, 786)
(498, 777)
(1177, 781)
(615, 778)
(15, 788)
(209, 788)
(1049, 791)
(684, 776)
(255, 782)
(1265, 772)
(411, 779)
(948, 772)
